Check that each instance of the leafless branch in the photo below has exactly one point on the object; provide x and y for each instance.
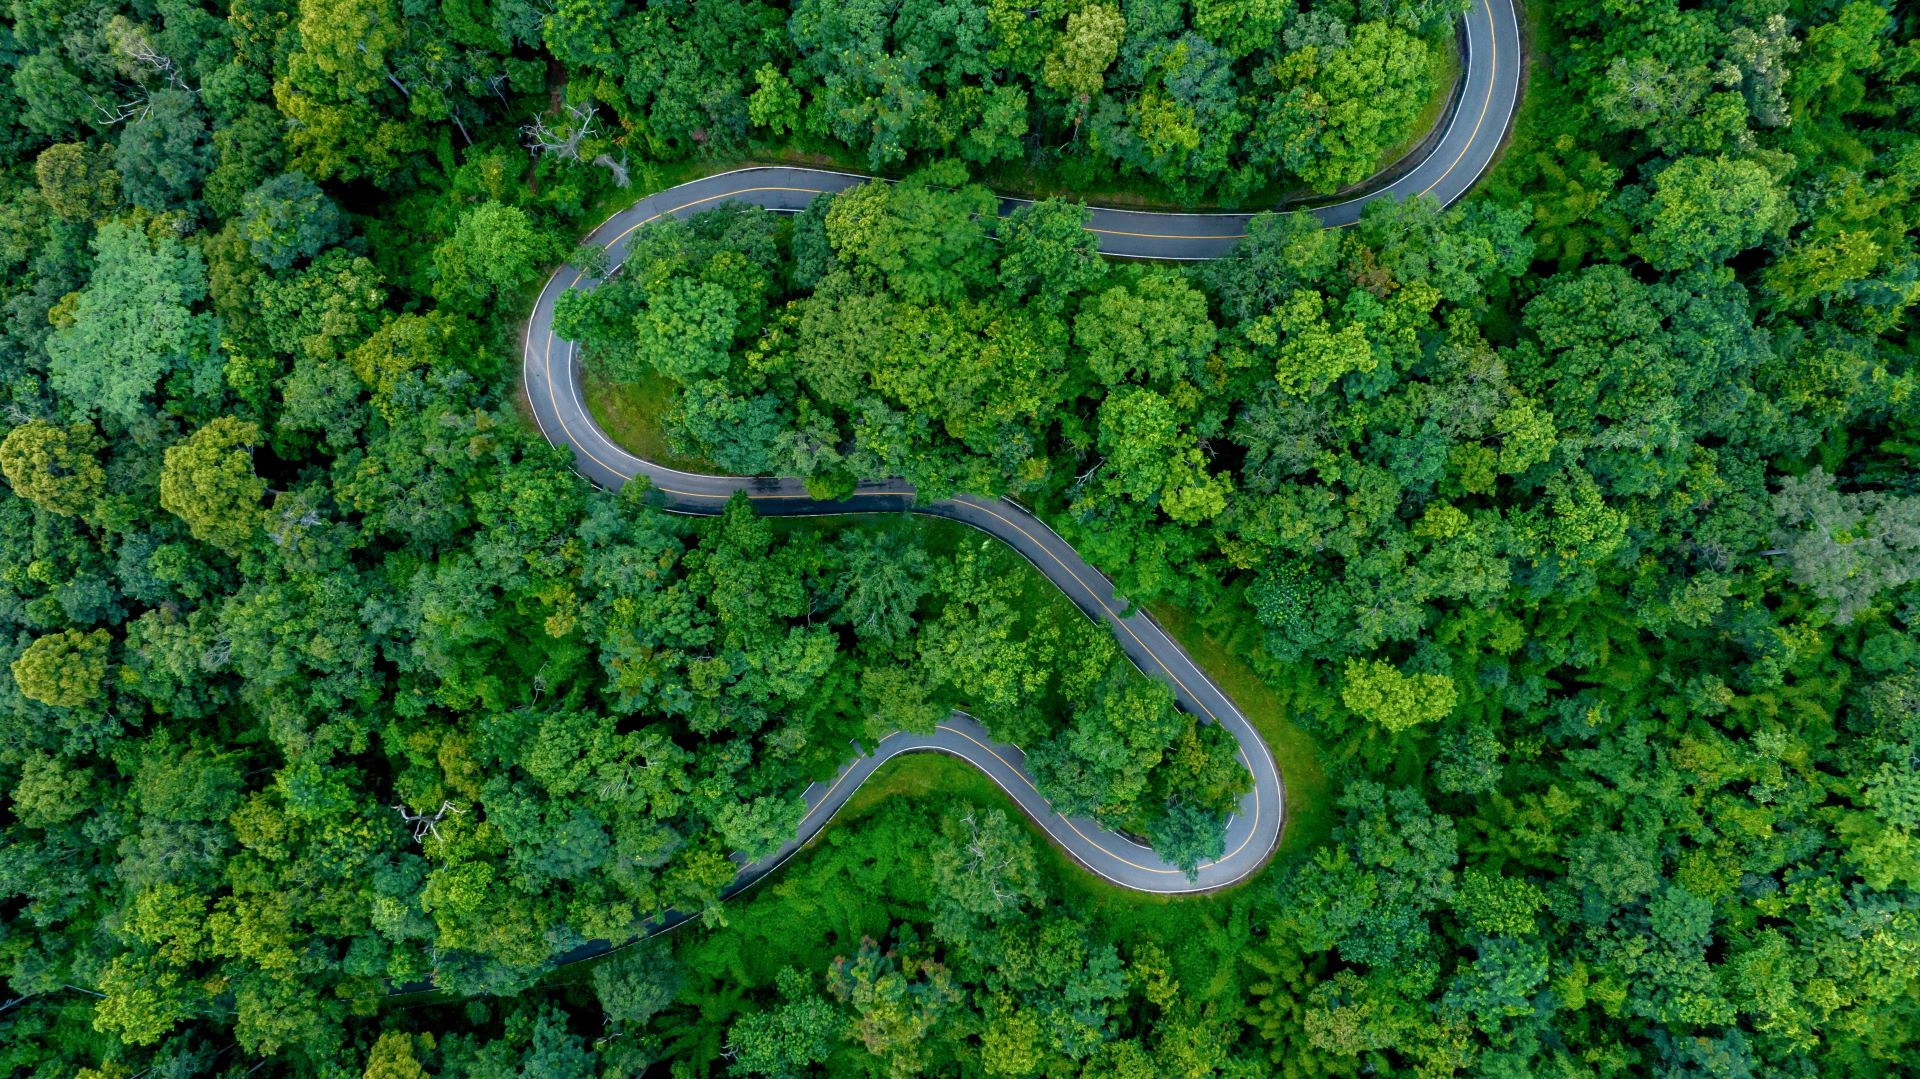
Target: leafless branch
(424, 825)
(984, 863)
(618, 168)
(544, 140)
(121, 111)
(130, 40)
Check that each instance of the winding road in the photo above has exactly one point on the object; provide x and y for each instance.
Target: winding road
(1467, 143)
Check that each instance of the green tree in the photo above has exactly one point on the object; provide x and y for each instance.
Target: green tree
(1047, 252)
(134, 323)
(1076, 69)
(493, 250)
(1340, 108)
(64, 669)
(897, 999)
(1710, 209)
(1498, 906)
(1846, 547)
(409, 346)
(348, 116)
(1155, 330)
(636, 983)
(208, 481)
(686, 331)
(78, 182)
(782, 1041)
(56, 467)
(775, 104)
(882, 577)
(163, 156)
(1382, 694)
(288, 219)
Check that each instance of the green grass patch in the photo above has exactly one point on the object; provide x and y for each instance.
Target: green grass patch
(812, 910)
(633, 414)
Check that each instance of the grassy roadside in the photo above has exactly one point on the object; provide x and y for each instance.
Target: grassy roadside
(1541, 96)
(1309, 792)
(630, 413)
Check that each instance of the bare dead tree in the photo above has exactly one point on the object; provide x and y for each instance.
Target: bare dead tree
(130, 40)
(120, 111)
(542, 139)
(217, 655)
(618, 168)
(289, 523)
(1079, 483)
(424, 825)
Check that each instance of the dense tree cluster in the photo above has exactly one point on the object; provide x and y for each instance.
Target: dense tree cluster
(1215, 97)
(1579, 523)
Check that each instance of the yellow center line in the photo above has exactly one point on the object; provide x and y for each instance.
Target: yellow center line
(1493, 75)
(1164, 235)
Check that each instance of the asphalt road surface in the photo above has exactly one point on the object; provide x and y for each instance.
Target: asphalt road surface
(1466, 146)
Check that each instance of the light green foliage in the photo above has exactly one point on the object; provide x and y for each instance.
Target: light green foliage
(78, 182)
(1395, 700)
(208, 481)
(686, 330)
(924, 238)
(409, 346)
(492, 251)
(1156, 330)
(64, 669)
(1498, 906)
(1150, 459)
(775, 104)
(332, 87)
(1310, 354)
(1708, 209)
(1340, 107)
(1076, 68)
(56, 467)
(135, 322)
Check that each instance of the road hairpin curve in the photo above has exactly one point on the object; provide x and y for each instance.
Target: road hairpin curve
(1466, 145)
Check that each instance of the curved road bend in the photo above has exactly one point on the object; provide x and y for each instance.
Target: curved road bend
(1466, 147)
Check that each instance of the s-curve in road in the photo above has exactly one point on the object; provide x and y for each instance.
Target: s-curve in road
(1465, 146)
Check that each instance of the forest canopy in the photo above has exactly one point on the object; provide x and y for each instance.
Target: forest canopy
(1572, 530)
